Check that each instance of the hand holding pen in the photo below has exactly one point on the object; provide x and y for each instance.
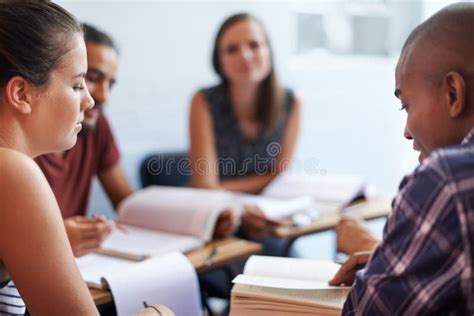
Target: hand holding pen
(86, 234)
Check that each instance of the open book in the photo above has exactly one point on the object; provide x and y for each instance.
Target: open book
(162, 219)
(328, 193)
(287, 286)
(303, 198)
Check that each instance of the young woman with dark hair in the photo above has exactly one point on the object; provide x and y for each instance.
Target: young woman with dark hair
(42, 102)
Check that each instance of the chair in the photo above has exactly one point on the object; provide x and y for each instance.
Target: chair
(172, 169)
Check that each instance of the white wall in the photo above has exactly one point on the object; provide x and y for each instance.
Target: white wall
(165, 56)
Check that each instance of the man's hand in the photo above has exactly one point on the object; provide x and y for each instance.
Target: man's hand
(353, 236)
(226, 224)
(86, 234)
(256, 224)
(346, 274)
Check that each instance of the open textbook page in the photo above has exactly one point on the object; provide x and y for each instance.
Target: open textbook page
(290, 269)
(161, 219)
(182, 211)
(329, 193)
(271, 285)
(144, 243)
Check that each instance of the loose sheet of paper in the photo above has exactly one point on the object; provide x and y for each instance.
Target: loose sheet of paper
(169, 279)
(94, 266)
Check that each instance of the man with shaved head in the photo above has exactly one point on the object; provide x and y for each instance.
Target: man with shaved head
(424, 264)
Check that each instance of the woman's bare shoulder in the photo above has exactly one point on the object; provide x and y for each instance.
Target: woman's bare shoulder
(18, 172)
(15, 162)
(198, 101)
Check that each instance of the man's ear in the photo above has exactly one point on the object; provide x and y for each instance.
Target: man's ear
(455, 93)
(18, 94)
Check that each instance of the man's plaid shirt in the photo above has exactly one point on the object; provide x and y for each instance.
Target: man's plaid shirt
(424, 266)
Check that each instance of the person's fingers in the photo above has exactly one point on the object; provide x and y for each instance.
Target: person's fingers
(121, 227)
(346, 273)
(89, 244)
(90, 230)
(225, 223)
(225, 215)
(108, 227)
(262, 233)
(83, 219)
(100, 218)
(254, 210)
(259, 215)
(255, 222)
(85, 246)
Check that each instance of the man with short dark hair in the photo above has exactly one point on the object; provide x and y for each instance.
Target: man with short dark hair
(424, 264)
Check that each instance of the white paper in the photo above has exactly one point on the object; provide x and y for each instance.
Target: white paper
(184, 211)
(169, 279)
(278, 208)
(291, 268)
(282, 283)
(94, 266)
(149, 242)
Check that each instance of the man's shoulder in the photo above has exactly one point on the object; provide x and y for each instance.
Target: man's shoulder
(103, 124)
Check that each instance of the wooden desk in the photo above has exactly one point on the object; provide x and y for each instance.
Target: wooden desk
(227, 250)
(372, 209)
